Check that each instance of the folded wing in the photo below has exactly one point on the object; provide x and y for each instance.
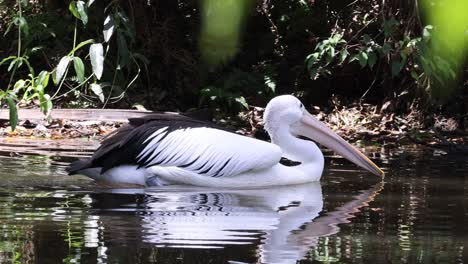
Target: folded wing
(174, 140)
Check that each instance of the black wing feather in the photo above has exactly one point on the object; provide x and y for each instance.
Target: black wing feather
(123, 146)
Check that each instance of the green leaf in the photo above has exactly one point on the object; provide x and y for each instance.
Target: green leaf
(73, 9)
(23, 25)
(46, 103)
(97, 90)
(39, 89)
(54, 79)
(13, 63)
(7, 59)
(62, 67)
(79, 68)
(372, 59)
(363, 57)
(241, 100)
(19, 85)
(311, 59)
(13, 112)
(81, 8)
(343, 55)
(96, 54)
(332, 52)
(43, 78)
(109, 26)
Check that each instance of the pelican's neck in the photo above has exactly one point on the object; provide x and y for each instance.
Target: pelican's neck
(296, 149)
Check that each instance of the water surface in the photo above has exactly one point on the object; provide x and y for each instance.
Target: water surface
(418, 214)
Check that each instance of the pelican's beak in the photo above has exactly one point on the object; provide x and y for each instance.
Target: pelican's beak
(312, 128)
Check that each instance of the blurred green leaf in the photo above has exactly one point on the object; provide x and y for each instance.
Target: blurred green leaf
(221, 28)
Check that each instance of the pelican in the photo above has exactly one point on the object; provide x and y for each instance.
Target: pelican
(162, 149)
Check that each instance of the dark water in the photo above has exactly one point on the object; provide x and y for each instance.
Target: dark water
(418, 214)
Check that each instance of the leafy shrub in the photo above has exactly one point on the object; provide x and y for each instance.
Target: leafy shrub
(87, 58)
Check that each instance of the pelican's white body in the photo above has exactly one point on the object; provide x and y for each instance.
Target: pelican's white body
(254, 163)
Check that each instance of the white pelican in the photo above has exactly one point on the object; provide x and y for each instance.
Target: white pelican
(161, 149)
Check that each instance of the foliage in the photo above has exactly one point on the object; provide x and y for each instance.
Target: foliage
(26, 89)
(182, 54)
(409, 56)
(29, 86)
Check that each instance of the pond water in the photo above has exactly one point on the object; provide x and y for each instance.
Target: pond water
(418, 214)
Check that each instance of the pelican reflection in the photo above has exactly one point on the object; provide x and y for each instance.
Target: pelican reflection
(284, 222)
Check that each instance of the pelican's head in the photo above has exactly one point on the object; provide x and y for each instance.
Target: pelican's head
(286, 114)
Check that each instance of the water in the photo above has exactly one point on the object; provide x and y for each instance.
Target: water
(418, 214)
